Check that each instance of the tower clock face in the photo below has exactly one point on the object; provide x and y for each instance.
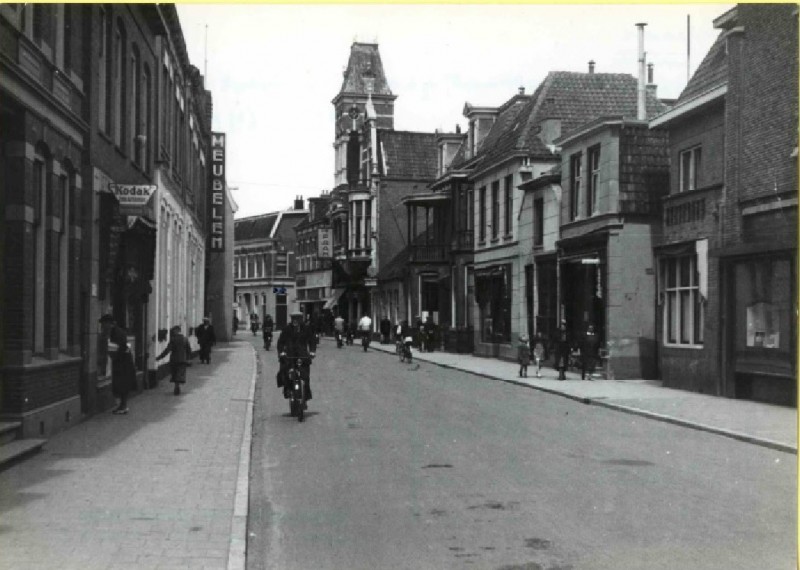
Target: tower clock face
(353, 112)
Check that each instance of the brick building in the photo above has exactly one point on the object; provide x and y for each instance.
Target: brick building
(106, 128)
(730, 221)
(315, 293)
(45, 196)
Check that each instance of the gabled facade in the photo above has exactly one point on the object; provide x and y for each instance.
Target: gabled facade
(727, 260)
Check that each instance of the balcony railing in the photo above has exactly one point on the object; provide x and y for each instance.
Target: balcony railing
(359, 252)
(463, 240)
(429, 253)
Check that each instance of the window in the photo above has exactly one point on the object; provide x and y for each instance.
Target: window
(67, 33)
(509, 198)
(136, 107)
(574, 185)
(39, 250)
(119, 86)
(281, 265)
(689, 169)
(764, 294)
(482, 212)
(63, 262)
(538, 222)
(683, 309)
(146, 114)
(495, 209)
(103, 69)
(593, 158)
(236, 268)
(470, 209)
(493, 294)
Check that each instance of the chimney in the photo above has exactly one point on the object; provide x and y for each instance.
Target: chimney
(591, 66)
(641, 108)
(522, 90)
(298, 203)
(652, 88)
(458, 129)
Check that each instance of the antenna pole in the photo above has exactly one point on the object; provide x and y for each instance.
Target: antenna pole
(688, 46)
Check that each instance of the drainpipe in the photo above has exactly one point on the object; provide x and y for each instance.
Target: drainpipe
(641, 108)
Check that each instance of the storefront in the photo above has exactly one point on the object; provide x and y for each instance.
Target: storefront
(494, 298)
(761, 329)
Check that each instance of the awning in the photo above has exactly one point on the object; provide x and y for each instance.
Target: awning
(333, 300)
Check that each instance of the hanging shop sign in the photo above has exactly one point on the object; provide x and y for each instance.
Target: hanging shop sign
(133, 198)
(216, 207)
(325, 243)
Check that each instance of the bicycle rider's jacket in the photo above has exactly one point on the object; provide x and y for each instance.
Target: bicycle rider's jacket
(297, 342)
(365, 324)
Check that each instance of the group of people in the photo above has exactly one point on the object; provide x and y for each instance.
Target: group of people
(123, 369)
(564, 344)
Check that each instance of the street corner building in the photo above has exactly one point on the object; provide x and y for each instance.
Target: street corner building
(103, 166)
(264, 265)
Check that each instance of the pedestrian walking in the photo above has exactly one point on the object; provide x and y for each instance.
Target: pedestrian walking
(591, 342)
(123, 371)
(235, 324)
(206, 339)
(539, 353)
(563, 342)
(386, 330)
(180, 353)
(523, 355)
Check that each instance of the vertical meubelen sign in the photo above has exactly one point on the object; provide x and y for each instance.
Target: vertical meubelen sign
(216, 236)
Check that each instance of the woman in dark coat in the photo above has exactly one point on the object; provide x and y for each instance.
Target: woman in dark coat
(123, 371)
(206, 338)
(180, 352)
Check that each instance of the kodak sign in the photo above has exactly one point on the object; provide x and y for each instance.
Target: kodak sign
(216, 234)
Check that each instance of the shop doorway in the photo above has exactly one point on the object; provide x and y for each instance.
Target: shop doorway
(583, 291)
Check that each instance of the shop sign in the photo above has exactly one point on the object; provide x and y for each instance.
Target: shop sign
(216, 236)
(132, 198)
(370, 282)
(325, 243)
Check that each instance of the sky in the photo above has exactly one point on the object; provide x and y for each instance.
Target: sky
(274, 69)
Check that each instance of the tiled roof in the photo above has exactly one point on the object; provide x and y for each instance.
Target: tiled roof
(712, 72)
(408, 155)
(572, 97)
(254, 227)
(364, 57)
(285, 233)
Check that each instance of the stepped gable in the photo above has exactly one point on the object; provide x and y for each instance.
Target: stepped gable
(364, 57)
(712, 72)
(407, 155)
(254, 227)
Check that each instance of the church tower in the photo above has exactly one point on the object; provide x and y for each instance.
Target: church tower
(364, 76)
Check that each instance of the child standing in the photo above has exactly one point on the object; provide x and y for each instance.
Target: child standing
(524, 355)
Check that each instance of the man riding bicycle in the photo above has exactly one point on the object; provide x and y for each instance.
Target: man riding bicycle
(365, 325)
(339, 327)
(296, 341)
(266, 331)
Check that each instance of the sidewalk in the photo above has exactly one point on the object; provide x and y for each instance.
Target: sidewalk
(762, 424)
(162, 487)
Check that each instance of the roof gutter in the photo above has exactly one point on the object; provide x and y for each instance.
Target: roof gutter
(689, 106)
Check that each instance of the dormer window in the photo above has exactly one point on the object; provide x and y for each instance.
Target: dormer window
(689, 168)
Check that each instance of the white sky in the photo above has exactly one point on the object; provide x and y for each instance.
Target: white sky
(274, 69)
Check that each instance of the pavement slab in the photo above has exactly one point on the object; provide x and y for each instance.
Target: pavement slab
(151, 489)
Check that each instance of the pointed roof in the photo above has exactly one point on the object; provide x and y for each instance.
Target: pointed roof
(573, 98)
(711, 73)
(254, 227)
(407, 155)
(364, 58)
